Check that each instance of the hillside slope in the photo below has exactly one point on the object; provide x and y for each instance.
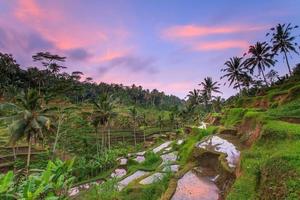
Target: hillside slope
(269, 125)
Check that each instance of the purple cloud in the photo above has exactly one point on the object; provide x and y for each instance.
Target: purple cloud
(131, 63)
(78, 54)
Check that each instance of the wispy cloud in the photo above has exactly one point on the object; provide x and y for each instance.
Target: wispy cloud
(220, 45)
(209, 38)
(190, 31)
(134, 64)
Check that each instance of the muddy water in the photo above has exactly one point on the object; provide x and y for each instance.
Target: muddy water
(193, 187)
(204, 181)
(218, 144)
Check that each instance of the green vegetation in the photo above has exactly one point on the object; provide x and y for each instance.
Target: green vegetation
(291, 109)
(47, 114)
(108, 191)
(151, 162)
(270, 168)
(148, 192)
(233, 116)
(188, 146)
(51, 183)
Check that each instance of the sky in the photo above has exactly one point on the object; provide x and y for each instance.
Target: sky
(171, 45)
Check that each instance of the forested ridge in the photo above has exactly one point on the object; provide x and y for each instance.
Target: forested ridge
(49, 77)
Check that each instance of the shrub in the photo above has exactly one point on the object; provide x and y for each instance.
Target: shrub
(52, 183)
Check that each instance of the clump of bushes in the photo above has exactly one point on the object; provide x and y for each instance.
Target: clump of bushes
(52, 183)
(89, 167)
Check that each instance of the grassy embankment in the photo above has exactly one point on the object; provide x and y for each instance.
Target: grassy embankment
(270, 168)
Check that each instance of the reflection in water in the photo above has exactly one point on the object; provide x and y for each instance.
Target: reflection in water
(162, 146)
(192, 187)
(131, 178)
(218, 144)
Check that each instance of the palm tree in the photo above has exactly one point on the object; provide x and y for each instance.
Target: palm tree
(30, 121)
(234, 71)
(260, 58)
(134, 114)
(245, 82)
(209, 86)
(272, 75)
(283, 41)
(102, 115)
(194, 97)
(144, 124)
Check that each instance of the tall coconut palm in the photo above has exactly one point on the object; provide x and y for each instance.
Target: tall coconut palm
(234, 71)
(205, 98)
(260, 58)
(30, 121)
(102, 115)
(144, 124)
(133, 113)
(209, 86)
(283, 41)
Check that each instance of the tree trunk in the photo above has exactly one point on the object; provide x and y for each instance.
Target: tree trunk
(102, 139)
(57, 135)
(134, 134)
(240, 89)
(288, 64)
(15, 157)
(263, 73)
(14, 152)
(108, 132)
(28, 155)
(97, 141)
(39, 88)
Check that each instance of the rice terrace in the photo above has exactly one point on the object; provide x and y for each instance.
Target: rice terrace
(149, 100)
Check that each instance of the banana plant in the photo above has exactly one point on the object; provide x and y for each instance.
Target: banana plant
(52, 183)
(6, 186)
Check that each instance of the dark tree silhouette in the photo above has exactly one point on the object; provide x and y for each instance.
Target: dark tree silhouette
(283, 41)
(194, 97)
(50, 61)
(210, 86)
(260, 58)
(234, 71)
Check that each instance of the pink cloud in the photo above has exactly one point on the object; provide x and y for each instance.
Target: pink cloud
(59, 27)
(111, 54)
(220, 45)
(28, 8)
(189, 31)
